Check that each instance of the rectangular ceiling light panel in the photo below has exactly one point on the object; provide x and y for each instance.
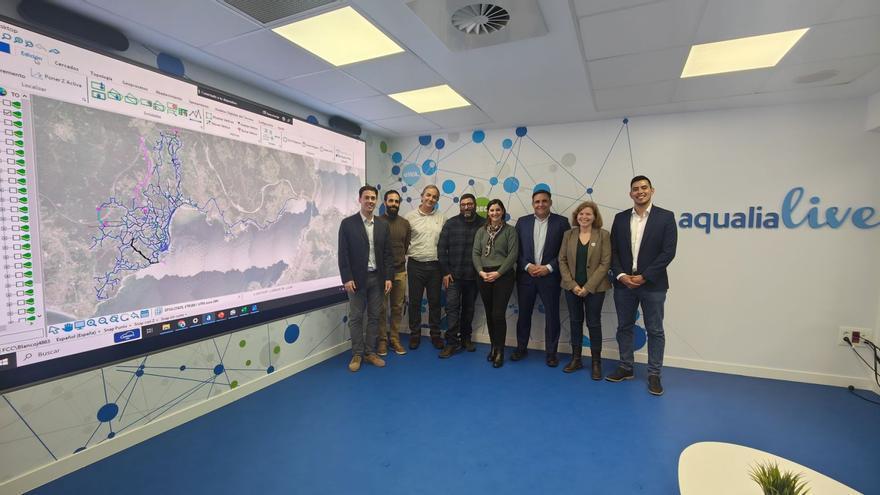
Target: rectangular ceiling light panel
(753, 52)
(340, 37)
(431, 99)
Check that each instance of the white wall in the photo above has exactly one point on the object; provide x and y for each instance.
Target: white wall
(42, 426)
(757, 302)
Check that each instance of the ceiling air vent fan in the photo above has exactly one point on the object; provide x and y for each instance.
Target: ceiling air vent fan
(480, 18)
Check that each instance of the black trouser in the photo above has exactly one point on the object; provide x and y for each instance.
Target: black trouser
(527, 291)
(591, 306)
(495, 297)
(461, 296)
(424, 276)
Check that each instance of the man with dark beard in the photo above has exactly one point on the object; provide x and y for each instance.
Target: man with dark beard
(400, 236)
(455, 251)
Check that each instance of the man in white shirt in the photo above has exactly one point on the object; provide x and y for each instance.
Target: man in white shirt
(423, 266)
(643, 243)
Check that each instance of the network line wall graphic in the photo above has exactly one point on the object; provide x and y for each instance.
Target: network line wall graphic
(114, 400)
(511, 165)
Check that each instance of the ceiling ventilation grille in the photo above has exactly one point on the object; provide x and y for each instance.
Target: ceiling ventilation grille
(266, 11)
(480, 18)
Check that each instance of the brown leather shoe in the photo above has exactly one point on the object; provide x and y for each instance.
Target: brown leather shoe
(414, 341)
(573, 365)
(382, 348)
(437, 342)
(355, 363)
(374, 360)
(596, 372)
(395, 345)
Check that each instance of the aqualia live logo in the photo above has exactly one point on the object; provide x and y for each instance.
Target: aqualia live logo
(796, 211)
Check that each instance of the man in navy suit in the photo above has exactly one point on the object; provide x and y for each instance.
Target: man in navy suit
(366, 267)
(643, 242)
(540, 236)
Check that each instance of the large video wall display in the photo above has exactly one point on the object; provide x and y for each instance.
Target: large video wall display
(140, 211)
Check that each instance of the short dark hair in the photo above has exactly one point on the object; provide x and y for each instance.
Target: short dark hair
(638, 178)
(390, 191)
(367, 187)
(496, 202)
(467, 196)
(541, 191)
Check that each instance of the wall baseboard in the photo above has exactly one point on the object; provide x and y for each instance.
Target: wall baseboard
(66, 465)
(863, 383)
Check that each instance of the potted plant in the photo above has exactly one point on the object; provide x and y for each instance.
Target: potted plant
(775, 482)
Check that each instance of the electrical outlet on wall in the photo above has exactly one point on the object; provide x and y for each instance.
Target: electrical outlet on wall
(855, 335)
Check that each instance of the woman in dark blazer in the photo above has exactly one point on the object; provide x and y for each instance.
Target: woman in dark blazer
(584, 261)
(495, 249)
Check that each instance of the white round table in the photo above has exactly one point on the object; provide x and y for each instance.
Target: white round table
(719, 468)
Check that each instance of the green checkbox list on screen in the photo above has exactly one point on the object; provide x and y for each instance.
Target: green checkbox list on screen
(15, 214)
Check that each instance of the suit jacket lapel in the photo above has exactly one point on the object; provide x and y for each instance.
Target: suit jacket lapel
(626, 232)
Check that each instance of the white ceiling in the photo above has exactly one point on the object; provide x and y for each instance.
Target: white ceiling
(599, 58)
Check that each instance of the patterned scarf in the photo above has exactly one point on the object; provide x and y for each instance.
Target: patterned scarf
(493, 231)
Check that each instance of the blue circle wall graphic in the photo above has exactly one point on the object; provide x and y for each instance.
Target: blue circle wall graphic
(507, 144)
(478, 136)
(439, 144)
(511, 184)
(411, 174)
(291, 333)
(448, 186)
(108, 412)
(424, 140)
(541, 187)
(396, 157)
(429, 167)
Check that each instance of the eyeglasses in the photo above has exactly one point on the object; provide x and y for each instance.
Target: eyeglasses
(467, 205)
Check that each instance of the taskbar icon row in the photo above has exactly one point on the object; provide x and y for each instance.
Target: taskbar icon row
(188, 322)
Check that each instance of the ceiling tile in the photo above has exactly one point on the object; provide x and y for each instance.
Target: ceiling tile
(407, 125)
(330, 86)
(639, 68)
(721, 85)
(197, 22)
(628, 97)
(849, 9)
(839, 71)
(458, 117)
(592, 7)
(269, 55)
(725, 20)
(395, 73)
(375, 107)
(653, 26)
(844, 39)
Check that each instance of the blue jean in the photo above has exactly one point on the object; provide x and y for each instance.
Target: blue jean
(461, 298)
(627, 302)
(578, 308)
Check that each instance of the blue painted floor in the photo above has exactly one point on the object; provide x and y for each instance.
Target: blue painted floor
(425, 425)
